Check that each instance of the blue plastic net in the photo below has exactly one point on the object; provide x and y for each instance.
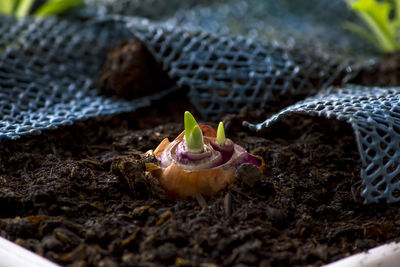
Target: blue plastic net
(374, 114)
(48, 74)
(226, 54)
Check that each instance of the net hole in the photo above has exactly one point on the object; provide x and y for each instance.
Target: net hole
(396, 193)
(377, 180)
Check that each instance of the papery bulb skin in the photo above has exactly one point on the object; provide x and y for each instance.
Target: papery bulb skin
(226, 149)
(185, 173)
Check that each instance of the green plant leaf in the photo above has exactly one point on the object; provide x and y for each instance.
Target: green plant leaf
(360, 31)
(195, 141)
(52, 7)
(23, 8)
(7, 7)
(377, 16)
(193, 134)
(190, 122)
(221, 138)
(397, 11)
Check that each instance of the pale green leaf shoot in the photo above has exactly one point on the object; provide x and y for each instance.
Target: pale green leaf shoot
(221, 138)
(23, 8)
(193, 134)
(52, 7)
(190, 122)
(195, 141)
(7, 7)
(383, 20)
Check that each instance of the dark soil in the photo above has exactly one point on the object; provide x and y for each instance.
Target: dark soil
(384, 73)
(80, 196)
(130, 71)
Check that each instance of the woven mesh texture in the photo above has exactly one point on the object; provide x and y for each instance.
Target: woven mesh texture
(374, 114)
(226, 53)
(292, 22)
(228, 64)
(225, 73)
(48, 68)
(287, 21)
(152, 9)
(48, 79)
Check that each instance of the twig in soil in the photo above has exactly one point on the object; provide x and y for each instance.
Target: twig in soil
(228, 204)
(356, 187)
(164, 217)
(202, 201)
(53, 149)
(51, 172)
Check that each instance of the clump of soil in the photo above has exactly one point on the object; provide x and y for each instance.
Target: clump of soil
(80, 196)
(130, 71)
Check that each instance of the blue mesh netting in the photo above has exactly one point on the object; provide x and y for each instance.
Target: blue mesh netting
(226, 54)
(48, 79)
(225, 73)
(374, 114)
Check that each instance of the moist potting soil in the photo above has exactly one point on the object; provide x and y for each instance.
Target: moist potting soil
(80, 196)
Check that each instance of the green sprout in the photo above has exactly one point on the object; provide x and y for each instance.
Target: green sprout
(7, 7)
(221, 134)
(193, 134)
(383, 20)
(22, 8)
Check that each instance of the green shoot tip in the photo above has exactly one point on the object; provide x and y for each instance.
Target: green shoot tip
(190, 122)
(193, 134)
(221, 134)
(195, 141)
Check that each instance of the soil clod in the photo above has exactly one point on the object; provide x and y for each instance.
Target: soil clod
(248, 174)
(131, 71)
(92, 203)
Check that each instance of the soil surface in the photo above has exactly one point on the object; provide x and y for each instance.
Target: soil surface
(80, 196)
(385, 72)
